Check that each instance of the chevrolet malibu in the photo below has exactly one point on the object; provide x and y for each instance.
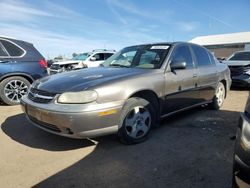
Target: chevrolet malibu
(129, 93)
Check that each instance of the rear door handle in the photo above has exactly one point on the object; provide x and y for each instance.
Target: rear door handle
(195, 75)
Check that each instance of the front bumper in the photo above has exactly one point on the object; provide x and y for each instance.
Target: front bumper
(242, 80)
(242, 155)
(74, 120)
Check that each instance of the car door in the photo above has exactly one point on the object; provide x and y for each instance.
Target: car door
(207, 72)
(180, 84)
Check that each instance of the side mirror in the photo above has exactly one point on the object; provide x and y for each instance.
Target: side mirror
(178, 64)
(92, 59)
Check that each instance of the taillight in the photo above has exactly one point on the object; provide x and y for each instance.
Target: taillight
(43, 63)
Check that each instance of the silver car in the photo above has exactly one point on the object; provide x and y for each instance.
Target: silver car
(129, 93)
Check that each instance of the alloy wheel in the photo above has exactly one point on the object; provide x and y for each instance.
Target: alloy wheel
(15, 89)
(220, 94)
(138, 122)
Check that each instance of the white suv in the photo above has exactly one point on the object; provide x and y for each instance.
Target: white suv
(83, 60)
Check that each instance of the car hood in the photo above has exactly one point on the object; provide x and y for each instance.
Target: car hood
(67, 62)
(237, 63)
(85, 78)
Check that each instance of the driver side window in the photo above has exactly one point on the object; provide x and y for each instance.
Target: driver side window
(182, 53)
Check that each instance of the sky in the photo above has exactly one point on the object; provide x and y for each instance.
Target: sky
(61, 27)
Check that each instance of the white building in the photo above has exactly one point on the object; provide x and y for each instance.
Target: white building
(225, 44)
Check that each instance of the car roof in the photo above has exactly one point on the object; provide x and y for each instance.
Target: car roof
(106, 50)
(15, 40)
(162, 43)
(94, 52)
(102, 52)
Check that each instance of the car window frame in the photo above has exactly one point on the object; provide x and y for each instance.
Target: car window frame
(210, 55)
(4, 49)
(172, 52)
(196, 60)
(24, 51)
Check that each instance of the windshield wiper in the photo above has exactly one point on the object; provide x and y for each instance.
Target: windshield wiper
(118, 65)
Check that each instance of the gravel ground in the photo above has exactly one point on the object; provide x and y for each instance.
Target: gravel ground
(190, 149)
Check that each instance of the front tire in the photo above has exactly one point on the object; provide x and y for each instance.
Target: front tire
(12, 89)
(219, 97)
(136, 120)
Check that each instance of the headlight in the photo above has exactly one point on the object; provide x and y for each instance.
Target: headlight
(248, 72)
(77, 97)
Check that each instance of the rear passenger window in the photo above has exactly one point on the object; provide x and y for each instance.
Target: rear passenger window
(3, 52)
(182, 53)
(212, 58)
(201, 56)
(12, 49)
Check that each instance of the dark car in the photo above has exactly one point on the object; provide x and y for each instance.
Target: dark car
(129, 93)
(241, 168)
(239, 65)
(20, 65)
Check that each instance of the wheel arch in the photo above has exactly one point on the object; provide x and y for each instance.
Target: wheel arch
(26, 76)
(224, 82)
(152, 97)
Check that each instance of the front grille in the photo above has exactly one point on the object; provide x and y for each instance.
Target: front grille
(40, 96)
(238, 70)
(45, 125)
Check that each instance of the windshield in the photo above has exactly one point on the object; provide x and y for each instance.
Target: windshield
(143, 56)
(83, 56)
(240, 56)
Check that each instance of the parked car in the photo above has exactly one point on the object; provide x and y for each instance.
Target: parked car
(239, 64)
(241, 168)
(129, 93)
(83, 60)
(20, 65)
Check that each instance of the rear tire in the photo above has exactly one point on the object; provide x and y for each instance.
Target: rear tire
(136, 120)
(219, 97)
(12, 89)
